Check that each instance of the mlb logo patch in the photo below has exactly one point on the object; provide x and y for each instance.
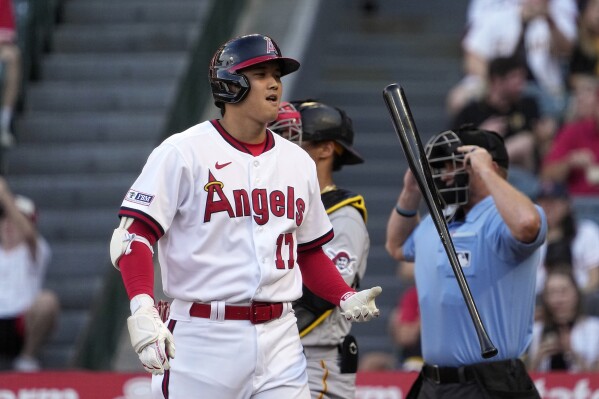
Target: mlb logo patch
(139, 197)
(464, 258)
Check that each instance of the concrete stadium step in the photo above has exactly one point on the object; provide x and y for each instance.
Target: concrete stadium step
(73, 259)
(126, 38)
(59, 352)
(410, 68)
(67, 327)
(440, 44)
(82, 225)
(128, 127)
(349, 91)
(106, 12)
(78, 293)
(70, 191)
(78, 158)
(117, 66)
(100, 96)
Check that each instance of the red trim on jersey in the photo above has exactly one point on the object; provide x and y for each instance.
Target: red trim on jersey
(165, 382)
(137, 268)
(269, 143)
(321, 276)
(319, 242)
(147, 219)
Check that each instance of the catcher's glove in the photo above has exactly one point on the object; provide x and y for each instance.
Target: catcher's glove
(360, 306)
(150, 338)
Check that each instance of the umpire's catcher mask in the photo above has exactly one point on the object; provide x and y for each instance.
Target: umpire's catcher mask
(448, 168)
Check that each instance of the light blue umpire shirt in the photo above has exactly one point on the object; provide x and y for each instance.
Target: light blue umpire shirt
(501, 274)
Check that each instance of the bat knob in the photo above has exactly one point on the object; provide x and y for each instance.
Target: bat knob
(488, 353)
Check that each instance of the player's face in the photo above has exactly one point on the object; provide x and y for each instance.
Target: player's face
(262, 102)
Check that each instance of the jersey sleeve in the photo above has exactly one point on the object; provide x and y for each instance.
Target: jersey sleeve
(508, 247)
(163, 185)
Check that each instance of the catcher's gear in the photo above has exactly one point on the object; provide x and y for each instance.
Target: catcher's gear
(121, 241)
(228, 84)
(323, 122)
(360, 306)
(150, 338)
(288, 123)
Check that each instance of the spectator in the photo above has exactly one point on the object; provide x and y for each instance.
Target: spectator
(573, 157)
(27, 312)
(564, 339)
(584, 60)
(405, 330)
(540, 31)
(505, 109)
(569, 241)
(10, 56)
(582, 101)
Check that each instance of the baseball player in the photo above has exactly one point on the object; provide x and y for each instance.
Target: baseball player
(236, 214)
(326, 134)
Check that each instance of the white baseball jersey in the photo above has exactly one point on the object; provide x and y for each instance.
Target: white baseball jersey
(231, 222)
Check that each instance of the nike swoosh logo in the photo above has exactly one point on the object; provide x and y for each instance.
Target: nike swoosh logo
(221, 165)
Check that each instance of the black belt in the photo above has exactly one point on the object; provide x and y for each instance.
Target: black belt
(448, 375)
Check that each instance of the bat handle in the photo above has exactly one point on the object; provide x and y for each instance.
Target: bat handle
(488, 350)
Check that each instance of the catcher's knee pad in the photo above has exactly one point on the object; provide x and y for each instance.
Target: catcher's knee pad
(121, 241)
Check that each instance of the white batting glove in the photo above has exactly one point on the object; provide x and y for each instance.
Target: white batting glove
(360, 306)
(150, 338)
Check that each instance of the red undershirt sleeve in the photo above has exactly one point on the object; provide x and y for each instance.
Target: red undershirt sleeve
(137, 268)
(321, 276)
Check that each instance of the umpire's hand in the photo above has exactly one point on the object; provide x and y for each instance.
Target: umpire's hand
(150, 338)
(360, 306)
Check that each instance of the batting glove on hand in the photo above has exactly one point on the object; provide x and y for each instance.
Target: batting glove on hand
(360, 306)
(150, 338)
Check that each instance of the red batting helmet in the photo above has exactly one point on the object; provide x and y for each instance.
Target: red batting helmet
(228, 84)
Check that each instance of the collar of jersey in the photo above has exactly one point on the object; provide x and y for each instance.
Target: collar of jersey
(238, 145)
(479, 209)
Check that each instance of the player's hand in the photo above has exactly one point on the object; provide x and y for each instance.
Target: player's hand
(360, 306)
(150, 338)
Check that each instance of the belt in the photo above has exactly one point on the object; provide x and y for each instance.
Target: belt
(257, 312)
(448, 375)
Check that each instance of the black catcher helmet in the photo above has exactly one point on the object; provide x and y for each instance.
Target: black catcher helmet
(323, 122)
(227, 83)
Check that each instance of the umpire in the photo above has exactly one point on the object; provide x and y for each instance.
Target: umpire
(497, 232)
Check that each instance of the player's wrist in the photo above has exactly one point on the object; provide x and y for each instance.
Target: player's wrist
(139, 301)
(347, 295)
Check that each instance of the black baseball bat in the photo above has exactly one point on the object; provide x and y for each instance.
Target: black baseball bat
(403, 122)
